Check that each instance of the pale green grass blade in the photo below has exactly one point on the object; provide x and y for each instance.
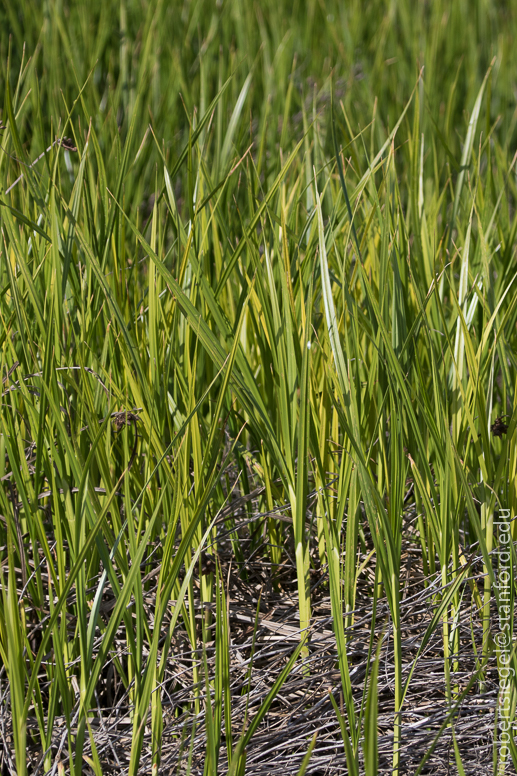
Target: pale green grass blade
(256, 218)
(467, 149)
(246, 736)
(306, 759)
(371, 733)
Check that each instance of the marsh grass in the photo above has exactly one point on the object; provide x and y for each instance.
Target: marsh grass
(258, 325)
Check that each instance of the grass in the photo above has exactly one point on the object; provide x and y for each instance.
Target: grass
(258, 325)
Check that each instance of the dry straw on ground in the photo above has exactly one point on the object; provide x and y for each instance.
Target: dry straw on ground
(263, 626)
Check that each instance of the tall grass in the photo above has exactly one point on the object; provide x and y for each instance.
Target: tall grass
(275, 260)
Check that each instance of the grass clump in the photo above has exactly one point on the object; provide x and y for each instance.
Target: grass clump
(258, 376)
